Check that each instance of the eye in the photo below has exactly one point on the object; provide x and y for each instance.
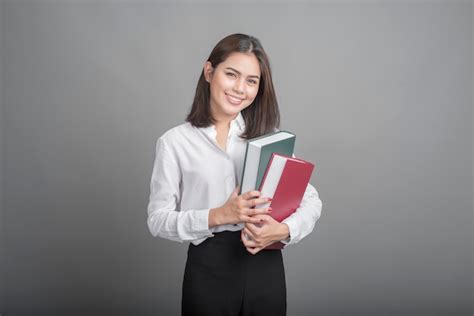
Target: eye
(253, 81)
(230, 74)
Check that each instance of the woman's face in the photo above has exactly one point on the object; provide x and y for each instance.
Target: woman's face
(233, 84)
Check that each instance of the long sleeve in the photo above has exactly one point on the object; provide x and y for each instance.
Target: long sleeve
(303, 220)
(165, 219)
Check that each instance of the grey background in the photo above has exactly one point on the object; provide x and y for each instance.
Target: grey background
(379, 94)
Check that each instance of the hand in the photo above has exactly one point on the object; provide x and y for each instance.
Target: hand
(256, 237)
(240, 208)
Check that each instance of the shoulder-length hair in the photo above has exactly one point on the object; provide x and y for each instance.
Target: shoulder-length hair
(262, 116)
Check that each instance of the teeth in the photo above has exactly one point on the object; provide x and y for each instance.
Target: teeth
(233, 99)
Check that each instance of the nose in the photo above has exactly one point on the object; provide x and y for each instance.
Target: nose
(239, 87)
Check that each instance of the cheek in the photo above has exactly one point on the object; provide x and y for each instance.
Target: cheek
(218, 88)
(224, 83)
(253, 93)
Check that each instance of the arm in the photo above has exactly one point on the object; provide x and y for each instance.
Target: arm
(164, 217)
(291, 230)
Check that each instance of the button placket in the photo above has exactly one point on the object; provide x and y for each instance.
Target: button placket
(229, 142)
(230, 176)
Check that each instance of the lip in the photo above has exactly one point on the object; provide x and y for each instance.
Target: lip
(233, 99)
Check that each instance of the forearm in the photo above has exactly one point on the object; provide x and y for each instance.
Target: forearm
(235, 212)
(179, 226)
(282, 232)
(215, 218)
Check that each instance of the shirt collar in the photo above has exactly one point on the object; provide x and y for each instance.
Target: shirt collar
(237, 124)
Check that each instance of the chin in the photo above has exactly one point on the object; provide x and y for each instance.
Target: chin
(229, 109)
(233, 110)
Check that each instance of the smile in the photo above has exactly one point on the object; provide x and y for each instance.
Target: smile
(233, 100)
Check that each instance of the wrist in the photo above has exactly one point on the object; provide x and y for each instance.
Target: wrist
(215, 218)
(284, 231)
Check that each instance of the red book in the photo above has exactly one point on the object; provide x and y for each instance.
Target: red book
(285, 181)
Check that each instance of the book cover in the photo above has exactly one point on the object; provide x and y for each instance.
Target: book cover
(285, 181)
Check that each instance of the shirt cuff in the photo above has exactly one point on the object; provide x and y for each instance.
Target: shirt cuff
(202, 226)
(292, 230)
(201, 223)
(194, 225)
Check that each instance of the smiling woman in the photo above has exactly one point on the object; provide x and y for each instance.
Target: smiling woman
(232, 90)
(237, 79)
(194, 189)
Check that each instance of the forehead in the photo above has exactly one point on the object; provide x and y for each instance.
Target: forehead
(246, 64)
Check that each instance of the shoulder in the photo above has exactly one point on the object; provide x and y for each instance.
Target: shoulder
(177, 138)
(168, 143)
(176, 133)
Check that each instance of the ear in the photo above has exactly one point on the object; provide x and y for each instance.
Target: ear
(208, 71)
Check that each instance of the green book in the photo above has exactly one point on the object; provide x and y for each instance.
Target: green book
(258, 153)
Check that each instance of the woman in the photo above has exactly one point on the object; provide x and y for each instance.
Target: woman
(194, 189)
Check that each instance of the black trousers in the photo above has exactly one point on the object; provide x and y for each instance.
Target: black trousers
(222, 278)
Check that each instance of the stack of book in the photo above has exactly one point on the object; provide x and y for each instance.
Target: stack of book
(270, 168)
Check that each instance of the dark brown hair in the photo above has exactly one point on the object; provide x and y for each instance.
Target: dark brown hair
(262, 116)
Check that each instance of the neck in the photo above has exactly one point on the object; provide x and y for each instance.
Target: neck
(223, 122)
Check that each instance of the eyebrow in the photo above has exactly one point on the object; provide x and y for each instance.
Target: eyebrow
(240, 73)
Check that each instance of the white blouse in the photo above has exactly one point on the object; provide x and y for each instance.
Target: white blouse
(192, 174)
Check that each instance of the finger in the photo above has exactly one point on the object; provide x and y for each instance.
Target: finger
(250, 195)
(249, 234)
(258, 211)
(264, 217)
(249, 219)
(254, 226)
(246, 240)
(255, 230)
(257, 201)
(242, 237)
(254, 250)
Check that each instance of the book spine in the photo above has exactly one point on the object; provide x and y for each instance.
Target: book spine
(243, 168)
(266, 172)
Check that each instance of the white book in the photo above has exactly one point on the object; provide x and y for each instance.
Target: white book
(272, 178)
(258, 153)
